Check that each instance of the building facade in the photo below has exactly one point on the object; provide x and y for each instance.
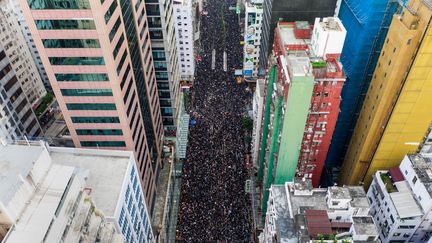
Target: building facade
(363, 43)
(98, 59)
(64, 196)
(394, 115)
(252, 37)
(30, 43)
(16, 49)
(17, 116)
(308, 80)
(288, 11)
(162, 35)
(184, 30)
(257, 109)
(299, 213)
(401, 200)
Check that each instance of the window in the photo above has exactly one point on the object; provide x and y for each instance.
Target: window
(86, 92)
(84, 24)
(56, 4)
(70, 77)
(71, 43)
(114, 29)
(414, 180)
(96, 119)
(110, 11)
(103, 144)
(91, 106)
(118, 45)
(10, 83)
(99, 132)
(76, 60)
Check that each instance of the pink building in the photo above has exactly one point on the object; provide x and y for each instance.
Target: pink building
(102, 75)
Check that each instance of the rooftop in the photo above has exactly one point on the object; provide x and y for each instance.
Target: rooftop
(331, 24)
(405, 204)
(358, 196)
(285, 223)
(15, 161)
(364, 225)
(287, 35)
(339, 192)
(423, 167)
(104, 171)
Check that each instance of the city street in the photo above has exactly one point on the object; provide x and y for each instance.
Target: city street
(213, 204)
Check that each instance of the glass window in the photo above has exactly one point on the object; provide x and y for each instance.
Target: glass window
(77, 60)
(91, 106)
(66, 77)
(99, 132)
(158, 55)
(118, 45)
(122, 60)
(59, 4)
(96, 119)
(71, 43)
(110, 11)
(160, 65)
(114, 29)
(103, 144)
(84, 24)
(86, 92)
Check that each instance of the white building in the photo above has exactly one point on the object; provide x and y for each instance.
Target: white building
(160, 18)
(258, 108)
(299, 213)
(252, 37)
(70, 195)
(17, 51)
(401, 200)
(328, 37)
(29, 40)
(17, 118)
(183, 19)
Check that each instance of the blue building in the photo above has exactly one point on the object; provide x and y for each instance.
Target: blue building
(367, 22)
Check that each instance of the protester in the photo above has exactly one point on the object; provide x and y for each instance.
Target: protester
(213, 204)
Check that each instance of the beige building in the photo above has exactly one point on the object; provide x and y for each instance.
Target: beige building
(18, 52)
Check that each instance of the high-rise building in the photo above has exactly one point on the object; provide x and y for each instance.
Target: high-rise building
(288, 11)
(19, 54)
(300, 213)
(50, 194)
(29, 40)
(257, 109)
(17, 118)
(367, 24)
(395, 113)
(97, 55)
(162, 34)
(304, 98)
(184, 30)
(401, 199)
(252, 37)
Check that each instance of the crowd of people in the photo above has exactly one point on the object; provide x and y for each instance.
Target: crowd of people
(213, 204)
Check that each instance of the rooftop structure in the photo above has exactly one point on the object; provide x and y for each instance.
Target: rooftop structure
(62, 194)
(299, 213)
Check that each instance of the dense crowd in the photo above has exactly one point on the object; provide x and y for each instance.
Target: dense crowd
(213, 204)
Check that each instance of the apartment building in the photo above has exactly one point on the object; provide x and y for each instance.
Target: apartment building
(17, 118)
(184, 30)
(299, 213)
(98, 59)
(19, 54)
(163, 41)
(401, 200)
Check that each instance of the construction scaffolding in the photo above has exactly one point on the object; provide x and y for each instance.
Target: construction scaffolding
(366, 20)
